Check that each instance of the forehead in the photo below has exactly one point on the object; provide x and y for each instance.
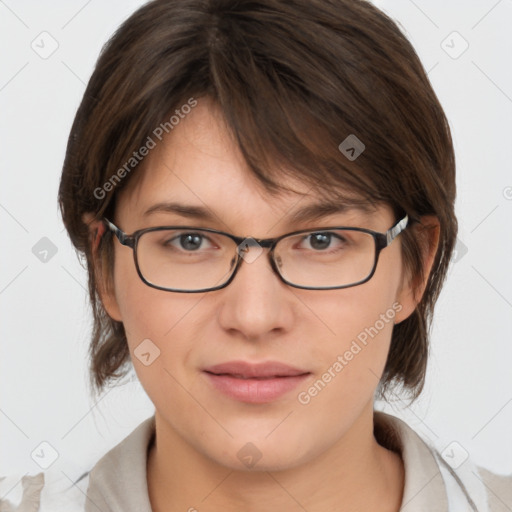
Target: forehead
(200, 165)
(200, 154)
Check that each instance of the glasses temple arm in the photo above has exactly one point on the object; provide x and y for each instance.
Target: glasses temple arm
(119, 234)
(393, 232)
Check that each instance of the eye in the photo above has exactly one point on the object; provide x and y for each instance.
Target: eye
(324, 240)
(189, 241)
(320, 241)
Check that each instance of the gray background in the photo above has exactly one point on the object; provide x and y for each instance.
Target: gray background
(45, 322)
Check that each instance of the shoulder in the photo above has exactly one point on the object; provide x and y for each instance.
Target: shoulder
(118, 479)
(42, 492)
(433, 478)
(499, 490)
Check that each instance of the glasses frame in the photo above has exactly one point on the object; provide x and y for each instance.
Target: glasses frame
(382, 240)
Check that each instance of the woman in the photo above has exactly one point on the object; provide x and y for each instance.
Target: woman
(264, 195)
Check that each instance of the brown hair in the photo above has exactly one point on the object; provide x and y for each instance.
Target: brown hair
(292, 79)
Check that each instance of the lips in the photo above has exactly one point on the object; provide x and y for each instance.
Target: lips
(243, 370)
(254, 383)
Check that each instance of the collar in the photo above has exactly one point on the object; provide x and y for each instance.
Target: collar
(118, 482)
(424, 483)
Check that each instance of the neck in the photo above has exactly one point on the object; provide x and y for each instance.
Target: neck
(355, 474)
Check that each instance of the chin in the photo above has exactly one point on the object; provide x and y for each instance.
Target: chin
(257, 455)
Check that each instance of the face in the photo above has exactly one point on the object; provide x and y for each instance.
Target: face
(335, 341)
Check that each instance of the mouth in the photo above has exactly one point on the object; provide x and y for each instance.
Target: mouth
(254, 383)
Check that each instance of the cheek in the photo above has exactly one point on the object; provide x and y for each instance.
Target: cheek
(348, 371)
(356, 326)
(157, 325)
(351, 313)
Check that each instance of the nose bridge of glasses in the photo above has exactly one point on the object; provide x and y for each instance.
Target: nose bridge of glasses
(249, 249)
(250, 241)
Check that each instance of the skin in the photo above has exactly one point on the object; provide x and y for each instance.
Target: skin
(321, 456)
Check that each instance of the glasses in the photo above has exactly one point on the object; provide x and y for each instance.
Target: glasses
(191, 260)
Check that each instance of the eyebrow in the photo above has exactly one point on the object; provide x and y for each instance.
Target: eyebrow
(309, 212)
(325, 208)
(191, 211)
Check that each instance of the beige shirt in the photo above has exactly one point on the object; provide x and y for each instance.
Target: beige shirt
(117, 483)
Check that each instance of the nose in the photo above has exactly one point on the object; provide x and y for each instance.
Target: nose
(256, 304)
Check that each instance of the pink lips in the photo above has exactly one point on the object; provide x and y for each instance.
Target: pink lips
(254, 383)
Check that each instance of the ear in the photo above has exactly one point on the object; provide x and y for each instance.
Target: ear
(103, 284)
(411, 291)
